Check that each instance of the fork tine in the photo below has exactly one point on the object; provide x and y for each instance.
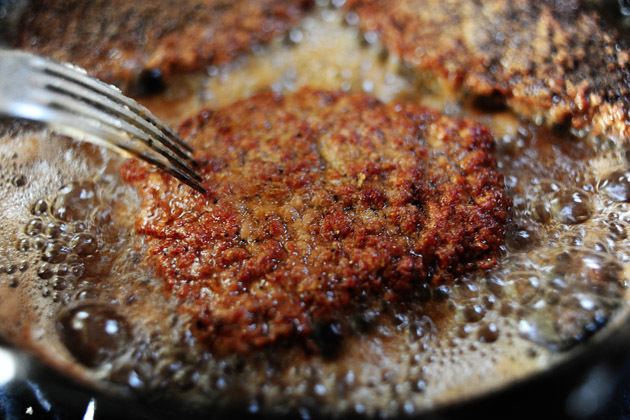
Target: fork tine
(80, 77)
(118, 110)
(86, 128)
(103, 91)
(184, 177)
(76, 106)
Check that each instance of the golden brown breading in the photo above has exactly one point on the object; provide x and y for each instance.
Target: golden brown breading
(116, 40)
(551, 60)
(317, 200)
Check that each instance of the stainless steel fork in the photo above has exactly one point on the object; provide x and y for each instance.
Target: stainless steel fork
(72, 103)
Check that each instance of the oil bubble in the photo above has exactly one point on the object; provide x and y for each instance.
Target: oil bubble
(526, 285)
(571, 207)
(59, 284)
(617, 186)
(39, 208)
(521, 239)
(34, 227)
(84, 244)
(541, 212)
(39, 243)
(23, 245)
(617, 231)
(62, 270)
(52, 230)
(75, 201)
(77, 270)
(474, 313)
(488, 333)
(55, 252)
(93, 333)
(19, 180)
(44, 271)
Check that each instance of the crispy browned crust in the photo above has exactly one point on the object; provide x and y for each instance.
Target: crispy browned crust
(552, 61)
(317, 199)
(116, 40)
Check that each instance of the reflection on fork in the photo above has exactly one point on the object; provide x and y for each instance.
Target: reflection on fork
(74, 104)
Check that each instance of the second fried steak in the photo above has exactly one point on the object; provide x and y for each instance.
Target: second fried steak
(318, 200)
(117, 40)
(551, 60)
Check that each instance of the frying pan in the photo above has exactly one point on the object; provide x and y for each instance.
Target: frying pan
(581, 387)
(576, 387)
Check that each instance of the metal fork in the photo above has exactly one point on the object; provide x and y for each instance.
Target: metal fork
(72, 103)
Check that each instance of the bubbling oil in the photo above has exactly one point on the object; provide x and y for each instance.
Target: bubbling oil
(93, 333)
(73, 265)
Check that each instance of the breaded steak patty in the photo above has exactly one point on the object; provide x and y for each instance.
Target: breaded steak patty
(118, 40)
(551, 60)
(318, 200)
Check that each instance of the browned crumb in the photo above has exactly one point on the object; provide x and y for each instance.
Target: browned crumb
(316, 201)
